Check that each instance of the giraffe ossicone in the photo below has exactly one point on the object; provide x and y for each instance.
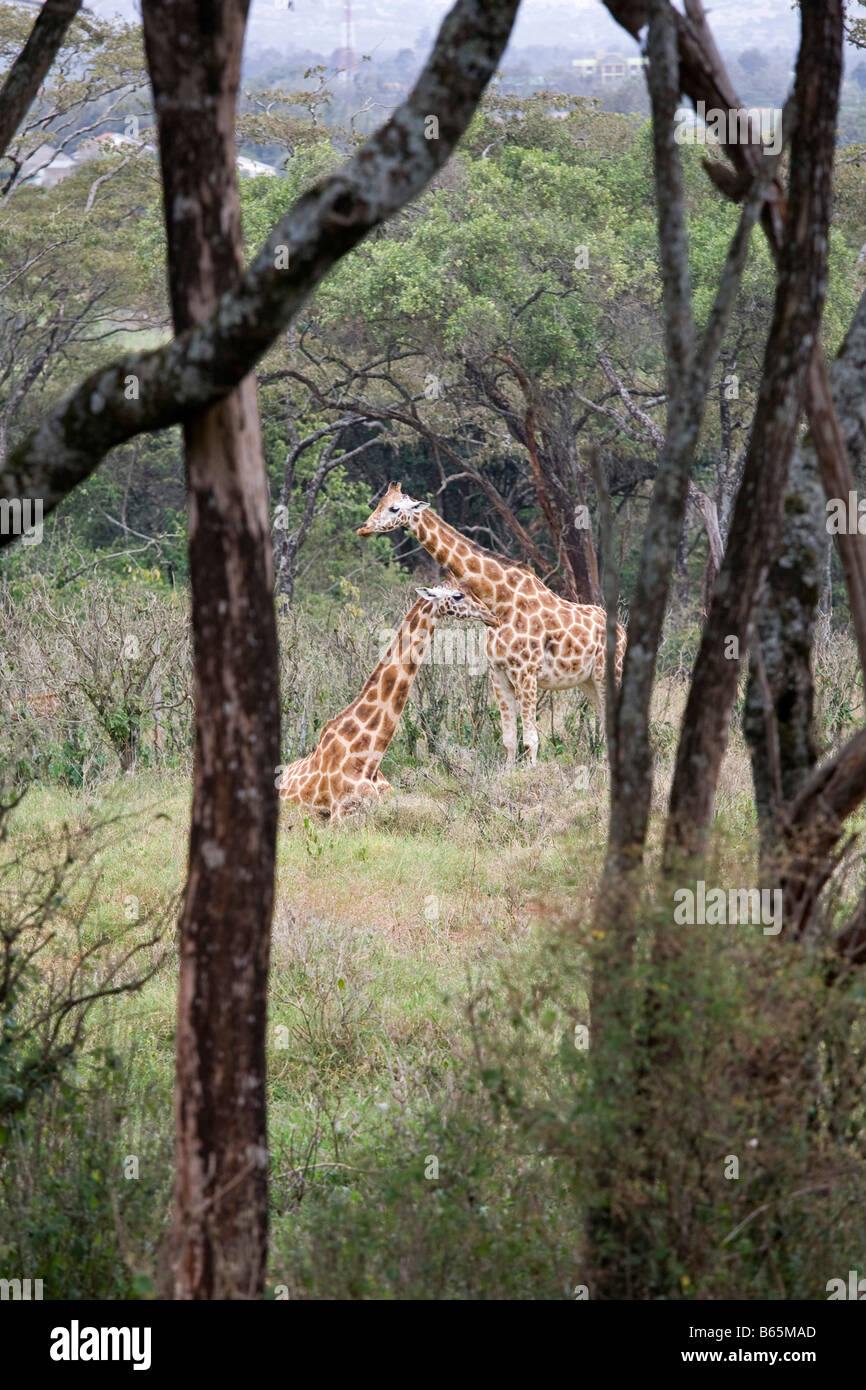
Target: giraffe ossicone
(541, 641)
(342, 773)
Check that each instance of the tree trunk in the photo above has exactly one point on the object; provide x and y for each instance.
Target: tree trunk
(286, 562)
(777, 720)
(786, 619)
(219, 1238)
(615, 1250)
(575, 542)
(756, 523)
(715, 549)
(548, 450)
(815, 824)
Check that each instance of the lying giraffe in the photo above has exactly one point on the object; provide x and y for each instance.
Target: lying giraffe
(542, 641)
(342, 772)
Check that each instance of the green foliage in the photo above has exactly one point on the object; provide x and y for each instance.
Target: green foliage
(728, 1047)
(490, 1224)
(265, 200)
(486, 263)
(508, 232)
(110, 660)
(67, 1206)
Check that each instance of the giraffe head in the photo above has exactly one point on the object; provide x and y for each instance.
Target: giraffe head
(395, 510)
(453, 602)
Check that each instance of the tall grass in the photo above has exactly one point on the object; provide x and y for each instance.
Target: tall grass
(434, 1128)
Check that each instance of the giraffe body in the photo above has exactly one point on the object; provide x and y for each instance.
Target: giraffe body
(541, 642)
(342, 774)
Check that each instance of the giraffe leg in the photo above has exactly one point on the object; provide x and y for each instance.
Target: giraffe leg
(594, 690)
(507, 702)
(527, 694)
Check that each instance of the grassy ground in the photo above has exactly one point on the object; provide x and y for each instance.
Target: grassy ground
(383, 930)
(413, 950)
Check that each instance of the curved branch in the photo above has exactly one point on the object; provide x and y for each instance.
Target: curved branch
(151, 390)
(30, 68)
(815, 824)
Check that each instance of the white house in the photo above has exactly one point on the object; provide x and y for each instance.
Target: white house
(251, 168)
(609, 67)
(110, 140)
(46, 167)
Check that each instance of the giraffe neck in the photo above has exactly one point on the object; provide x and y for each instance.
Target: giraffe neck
(291, 779)
(383, 698)
(480, 572)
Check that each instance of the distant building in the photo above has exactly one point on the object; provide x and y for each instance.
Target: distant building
(109, 140)
(609, 67)
(253, 168)
(746, 124)
(46, 167)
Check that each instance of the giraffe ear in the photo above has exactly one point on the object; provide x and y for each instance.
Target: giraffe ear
(426, 593)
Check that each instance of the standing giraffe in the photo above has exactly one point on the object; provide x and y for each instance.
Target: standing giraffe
(542, 641)
(343, 769)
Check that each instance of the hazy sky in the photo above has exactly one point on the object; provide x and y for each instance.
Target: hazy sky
(386, 25)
